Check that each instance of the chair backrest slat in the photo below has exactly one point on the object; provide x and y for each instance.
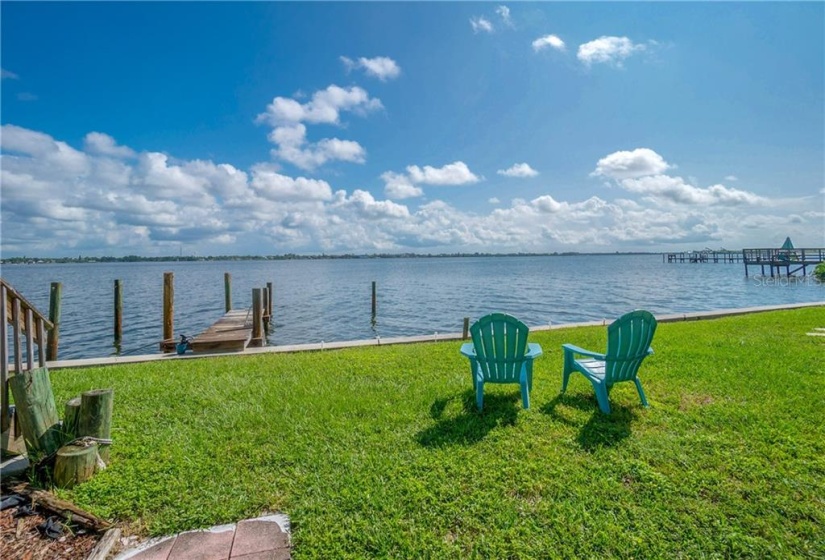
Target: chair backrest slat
(500, 342)
(628, 341)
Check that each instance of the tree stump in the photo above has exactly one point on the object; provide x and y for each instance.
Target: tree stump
(75, 464)
(36, 411)
(95, 418)
(71, 419)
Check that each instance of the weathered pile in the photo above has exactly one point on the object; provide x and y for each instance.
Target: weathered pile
(73, 450)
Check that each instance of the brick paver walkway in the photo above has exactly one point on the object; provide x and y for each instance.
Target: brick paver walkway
(263, 538)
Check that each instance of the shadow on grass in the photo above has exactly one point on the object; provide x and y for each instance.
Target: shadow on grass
(470, 426)
(601, 430)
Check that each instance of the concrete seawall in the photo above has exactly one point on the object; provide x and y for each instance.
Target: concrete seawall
(315, 346)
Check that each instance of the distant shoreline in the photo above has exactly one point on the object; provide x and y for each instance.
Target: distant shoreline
(291, 256)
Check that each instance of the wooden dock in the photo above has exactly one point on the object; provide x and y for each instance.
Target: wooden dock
(791, 261)
(703, 257)
(230, 333)
(233, 332)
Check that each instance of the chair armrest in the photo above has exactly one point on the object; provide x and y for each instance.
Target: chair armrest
(533, 350)
(576, 350)
(467, 349)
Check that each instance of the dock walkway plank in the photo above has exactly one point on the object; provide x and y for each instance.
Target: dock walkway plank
(232, 332)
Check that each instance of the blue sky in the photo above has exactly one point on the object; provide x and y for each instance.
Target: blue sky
(267, 128)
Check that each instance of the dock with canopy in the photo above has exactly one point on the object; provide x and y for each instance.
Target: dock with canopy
(788, 259)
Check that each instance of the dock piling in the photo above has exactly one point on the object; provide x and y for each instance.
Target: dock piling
(168, 309)
(265, 309)
(465, 332)
(118, 326)
(55, 293)
(227, 291)
(257, 317)
(374, 300)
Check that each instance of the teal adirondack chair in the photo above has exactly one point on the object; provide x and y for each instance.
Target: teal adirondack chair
(500, 353)
(628, 343)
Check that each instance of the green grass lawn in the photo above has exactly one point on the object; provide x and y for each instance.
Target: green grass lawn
(379, 452)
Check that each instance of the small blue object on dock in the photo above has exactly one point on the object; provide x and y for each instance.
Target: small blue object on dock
(182, 346)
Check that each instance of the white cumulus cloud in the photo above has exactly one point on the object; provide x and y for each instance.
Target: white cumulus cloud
(270, 184)
(381, 67)
(55, 155)
(547, 203)
(58, 200)
(325, 106)
(552, 41)
(103, 144)
(608, 50)
(504, 14)
(481, 24)
(406, 185)
(292, 146)
(630, 164)
(399, 186)
(456, 173)
(520, 170)
(676, 190)
(290, 134)
(366, 205)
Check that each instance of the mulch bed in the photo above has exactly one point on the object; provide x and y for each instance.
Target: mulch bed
(20, 539)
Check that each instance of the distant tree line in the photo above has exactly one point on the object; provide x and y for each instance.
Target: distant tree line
(286, 256)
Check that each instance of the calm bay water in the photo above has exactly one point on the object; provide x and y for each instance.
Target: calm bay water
(330, 300)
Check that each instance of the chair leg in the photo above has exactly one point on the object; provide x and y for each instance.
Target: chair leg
(473, 372)
(568, 369)
(641, 392)
(479, 394)
(525, 394)
(601, 396)
(529, 366)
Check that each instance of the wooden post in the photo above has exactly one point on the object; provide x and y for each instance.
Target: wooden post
(168, 306)
(29, 339)
(71, 419)
(118, 313)
(41, 343)
(74, 464)
(257, 317)
(227, 291)
(271, 291)
(95, 418)
(36, 411)
(4, 356)
(15, 325)
(265, 309)
(465, 333)
(55, 293)
(374, 300)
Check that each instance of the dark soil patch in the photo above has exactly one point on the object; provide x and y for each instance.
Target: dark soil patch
(21, 540)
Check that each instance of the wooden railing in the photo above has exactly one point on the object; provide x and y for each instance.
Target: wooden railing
(792, 260)
(22, 319)
(782, 256)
